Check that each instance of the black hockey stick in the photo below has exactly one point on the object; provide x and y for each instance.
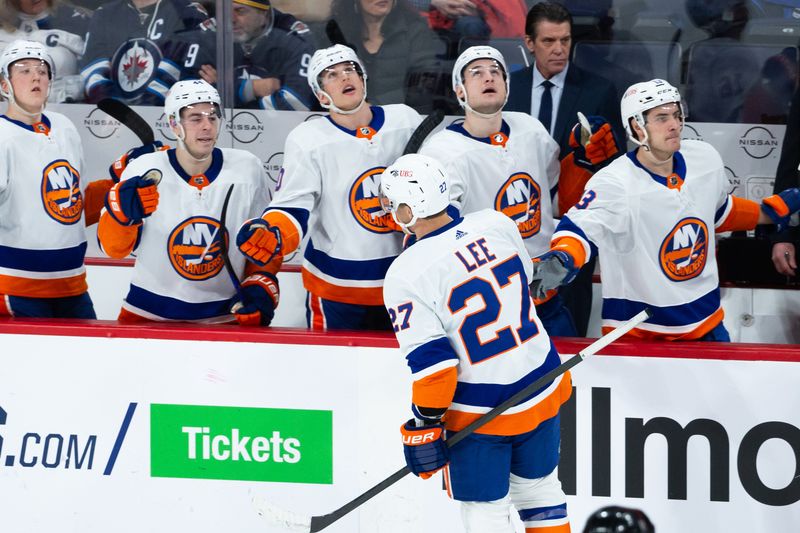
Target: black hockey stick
(129, 118)
(423, 130)
(336, 35)
(310, 524)
(224, 240)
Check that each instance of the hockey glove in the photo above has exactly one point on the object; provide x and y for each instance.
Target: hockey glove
(118, 167)
(780, 207)
(260, 297)
(550, 270)
(594, 143)
(259, 241)
(424, 448)
(130, 201)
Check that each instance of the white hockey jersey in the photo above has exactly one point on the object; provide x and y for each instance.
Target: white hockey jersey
(515, 172)
(42, 200)
(179, 272)
(656, 240)
(329, 190)
(459, 297)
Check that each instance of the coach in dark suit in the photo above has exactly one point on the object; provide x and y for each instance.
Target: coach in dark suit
(553, 90)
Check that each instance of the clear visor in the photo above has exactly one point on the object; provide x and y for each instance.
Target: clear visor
(194, 115)
(29, 68)
(338, 72)
(495, 70)
(662, 114)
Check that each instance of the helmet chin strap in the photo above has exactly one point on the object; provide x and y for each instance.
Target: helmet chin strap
(644, 144)
(465, 104)
(407, 226)
(333, 107)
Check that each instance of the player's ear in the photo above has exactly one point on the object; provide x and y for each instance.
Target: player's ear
(460, 92)
(323, 98)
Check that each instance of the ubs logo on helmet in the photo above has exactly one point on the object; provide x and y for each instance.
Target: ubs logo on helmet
(520, 200)
(195, 248)
(61, 192)
(684, 251)
(365, 202)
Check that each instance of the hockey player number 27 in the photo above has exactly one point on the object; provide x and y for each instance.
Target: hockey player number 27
(505, 338)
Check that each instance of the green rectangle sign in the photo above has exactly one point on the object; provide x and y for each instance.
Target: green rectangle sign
(241, 443)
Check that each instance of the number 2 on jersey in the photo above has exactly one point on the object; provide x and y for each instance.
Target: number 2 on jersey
(505, 338)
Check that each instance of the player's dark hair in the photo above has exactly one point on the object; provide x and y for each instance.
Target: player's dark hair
(549, 11)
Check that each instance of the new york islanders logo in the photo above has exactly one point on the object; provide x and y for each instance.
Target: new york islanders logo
(684, 251)
(195, 248)
(365, 203)
(61, 192)
(520, 200)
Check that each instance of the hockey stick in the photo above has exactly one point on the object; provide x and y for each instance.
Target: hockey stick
(226, 244)
(310, 524)
(128, 118)
(423, 130)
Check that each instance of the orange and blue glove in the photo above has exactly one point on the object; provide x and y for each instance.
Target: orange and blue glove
(260, 294)
(594, 143)
(424, 448)
(259, 241)
(118, 167)
(130, 201)
(780, 207)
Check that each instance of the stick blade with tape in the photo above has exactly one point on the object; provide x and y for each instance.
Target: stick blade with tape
(129, 118)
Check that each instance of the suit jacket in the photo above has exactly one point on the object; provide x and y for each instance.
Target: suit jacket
(583, 91)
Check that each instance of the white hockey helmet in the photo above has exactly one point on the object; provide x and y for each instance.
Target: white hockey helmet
(188, 92)
(20, 49)
(326, 58)
(418, 181)
(473, 53)
(643, 96)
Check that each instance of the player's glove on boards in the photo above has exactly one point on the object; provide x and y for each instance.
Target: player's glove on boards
(118, 167)
(780, 207)
(550, 270)
(259, 241)
(260, 297)
(130, 201)
(596, 148)
(424, 448)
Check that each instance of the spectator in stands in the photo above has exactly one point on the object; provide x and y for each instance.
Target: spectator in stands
(124, 46)
(61, 28)
(271, 51)
(306, 10)
(476, 19)
(784, 249)
(554, 90)
(398, 50)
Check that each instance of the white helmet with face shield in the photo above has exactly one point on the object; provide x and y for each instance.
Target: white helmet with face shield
(327, 58)
(642, 97)
(185, 94)
(17, 51)
(474, 53)
(418, 181)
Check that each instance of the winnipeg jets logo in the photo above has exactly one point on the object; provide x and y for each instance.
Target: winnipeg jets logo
(134, 65)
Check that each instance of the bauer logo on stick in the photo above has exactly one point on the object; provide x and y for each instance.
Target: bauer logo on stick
(195, 248)
(61, 192)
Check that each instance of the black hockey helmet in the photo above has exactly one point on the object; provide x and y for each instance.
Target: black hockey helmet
(614, 519)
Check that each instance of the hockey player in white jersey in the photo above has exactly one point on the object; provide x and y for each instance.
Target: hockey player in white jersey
(506, 161)
(173, 223)
(653, 216)
(465, 321)
(45, 202)
(328, 190)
